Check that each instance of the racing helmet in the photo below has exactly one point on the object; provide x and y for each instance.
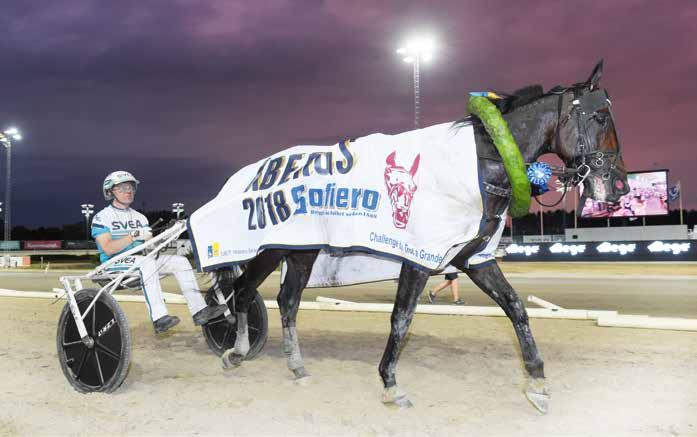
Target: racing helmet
(116, 178)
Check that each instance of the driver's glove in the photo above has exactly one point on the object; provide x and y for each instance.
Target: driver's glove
(141, 234)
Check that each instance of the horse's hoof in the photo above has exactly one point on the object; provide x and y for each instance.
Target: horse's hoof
(231, 360)
(538, 395)
(300, 374)
(395, 397)
(403, 403)
(301, 378)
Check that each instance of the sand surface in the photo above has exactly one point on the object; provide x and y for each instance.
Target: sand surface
(464, 374)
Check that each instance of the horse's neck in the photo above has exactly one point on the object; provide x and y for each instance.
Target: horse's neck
(533, 126)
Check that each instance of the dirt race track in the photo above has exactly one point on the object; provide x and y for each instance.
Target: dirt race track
(464, 374)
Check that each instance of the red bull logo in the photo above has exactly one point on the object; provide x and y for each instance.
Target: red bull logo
(401, 188)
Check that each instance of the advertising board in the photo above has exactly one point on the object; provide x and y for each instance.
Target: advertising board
(657, 250)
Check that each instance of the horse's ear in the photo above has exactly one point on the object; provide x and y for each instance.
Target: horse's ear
(415, 165)
(390, 159)
(596, 75)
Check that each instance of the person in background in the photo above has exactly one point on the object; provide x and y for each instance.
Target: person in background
(450, 281)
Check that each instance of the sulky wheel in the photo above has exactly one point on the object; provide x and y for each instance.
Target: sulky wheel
(103, 366)
(220, 334)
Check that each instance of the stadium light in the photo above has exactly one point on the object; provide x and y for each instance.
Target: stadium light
(87, 211)
(177, 208)
(6, 138)
(417, 50)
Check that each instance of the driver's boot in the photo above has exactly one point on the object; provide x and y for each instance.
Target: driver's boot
(165, 322)
(209, 313)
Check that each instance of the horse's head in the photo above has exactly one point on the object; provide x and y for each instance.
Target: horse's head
(401, 188)
(587, 141)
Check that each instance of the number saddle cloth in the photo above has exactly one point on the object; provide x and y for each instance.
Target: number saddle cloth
(369, 204)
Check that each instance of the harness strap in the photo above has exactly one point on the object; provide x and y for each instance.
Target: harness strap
(497, 191)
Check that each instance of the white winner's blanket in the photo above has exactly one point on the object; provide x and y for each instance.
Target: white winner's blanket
(376, 201)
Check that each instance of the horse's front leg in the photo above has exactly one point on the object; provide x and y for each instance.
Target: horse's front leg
(298, 273)
(491, 280)
(411, 283)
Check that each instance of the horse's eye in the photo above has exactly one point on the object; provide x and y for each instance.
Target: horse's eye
(601, 118)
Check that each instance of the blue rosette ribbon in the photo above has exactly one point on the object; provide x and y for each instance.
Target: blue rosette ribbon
(539, 174)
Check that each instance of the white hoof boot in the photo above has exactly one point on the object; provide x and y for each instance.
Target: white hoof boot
(537, 394)
(394, 396)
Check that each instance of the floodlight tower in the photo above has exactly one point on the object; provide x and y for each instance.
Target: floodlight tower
(177, 208)
(6, 139)
(87, 211)
(414, 52)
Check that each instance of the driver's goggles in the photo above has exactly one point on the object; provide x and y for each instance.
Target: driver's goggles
(125, 187)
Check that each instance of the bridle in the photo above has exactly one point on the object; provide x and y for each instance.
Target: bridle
(593, 106)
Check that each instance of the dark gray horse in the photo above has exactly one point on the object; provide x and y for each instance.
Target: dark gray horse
(574, 123)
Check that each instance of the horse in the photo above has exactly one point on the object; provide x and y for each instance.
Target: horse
(573, 122)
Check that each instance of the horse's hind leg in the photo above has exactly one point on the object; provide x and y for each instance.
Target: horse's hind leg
(298, 273)
(246, 286)
(411, 283)
(491, 280)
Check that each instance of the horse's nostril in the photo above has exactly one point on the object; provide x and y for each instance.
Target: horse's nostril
(619, 185)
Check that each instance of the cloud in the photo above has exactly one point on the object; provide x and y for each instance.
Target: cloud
(212, 85)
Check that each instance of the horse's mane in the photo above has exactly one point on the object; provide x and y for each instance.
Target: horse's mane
(520, 97)
(511, 102)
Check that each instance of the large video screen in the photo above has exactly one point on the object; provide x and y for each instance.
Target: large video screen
(648, 195)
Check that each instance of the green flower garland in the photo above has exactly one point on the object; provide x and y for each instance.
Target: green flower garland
(497, 128)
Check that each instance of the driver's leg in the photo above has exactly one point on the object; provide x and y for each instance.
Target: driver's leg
(152, 290)
(184, 274)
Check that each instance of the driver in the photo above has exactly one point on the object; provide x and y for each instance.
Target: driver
(118, 228)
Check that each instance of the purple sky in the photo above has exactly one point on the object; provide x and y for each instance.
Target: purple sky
(184, 93)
